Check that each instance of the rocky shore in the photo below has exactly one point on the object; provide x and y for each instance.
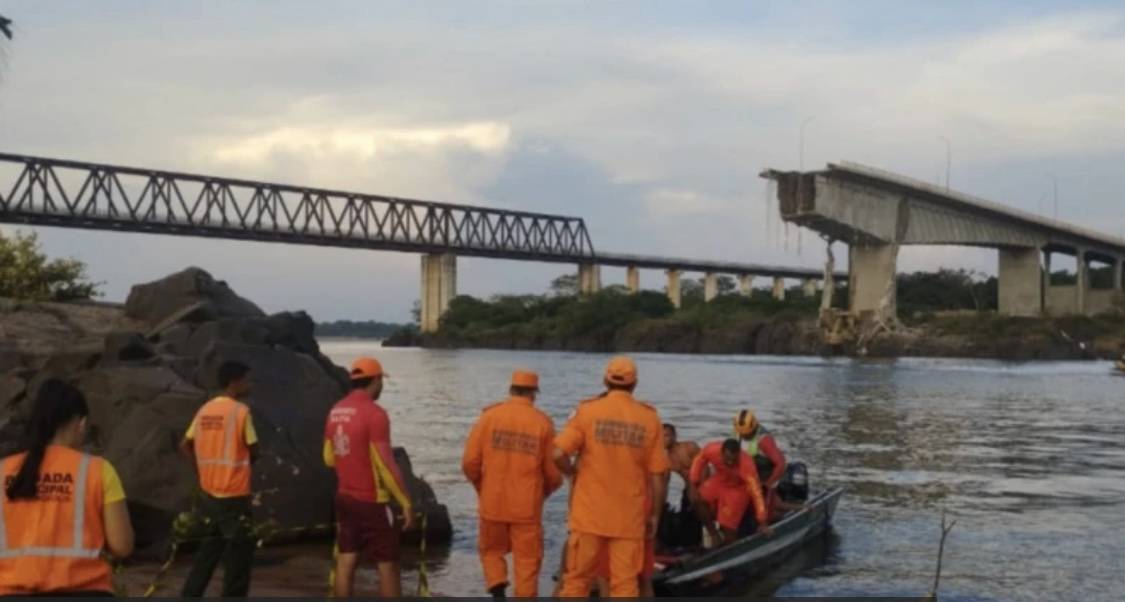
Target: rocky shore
(146, 367)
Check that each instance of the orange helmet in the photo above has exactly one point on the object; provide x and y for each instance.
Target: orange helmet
(745, 423)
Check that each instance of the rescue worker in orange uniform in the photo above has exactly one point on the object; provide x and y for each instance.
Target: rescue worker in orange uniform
(621, 464)
(61, 509)
(728, 482)
(508, 459)
(223, 443)
(357, 443)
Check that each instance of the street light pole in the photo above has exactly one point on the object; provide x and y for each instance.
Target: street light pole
(948, 160)
(801, 157)
(1055, 182)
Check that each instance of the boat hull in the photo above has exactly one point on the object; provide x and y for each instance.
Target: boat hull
(751, 555)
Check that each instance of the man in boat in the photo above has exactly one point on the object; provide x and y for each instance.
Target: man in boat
(684, 528)
(622, 466)
(728, 482)
(763, 448)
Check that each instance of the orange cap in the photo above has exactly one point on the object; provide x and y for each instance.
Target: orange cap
(526, 379)
(621, 371)
(366, 367)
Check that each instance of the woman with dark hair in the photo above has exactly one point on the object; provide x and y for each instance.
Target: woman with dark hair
(61, 508)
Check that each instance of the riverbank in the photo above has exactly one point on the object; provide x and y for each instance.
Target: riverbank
(613, 322)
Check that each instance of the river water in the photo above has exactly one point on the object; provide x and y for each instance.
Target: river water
(1026, 457)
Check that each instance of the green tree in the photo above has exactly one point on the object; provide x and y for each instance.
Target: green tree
(565, 285)
(26, 273)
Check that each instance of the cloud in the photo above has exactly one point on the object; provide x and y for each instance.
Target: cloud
(653, 129)
(318, 143)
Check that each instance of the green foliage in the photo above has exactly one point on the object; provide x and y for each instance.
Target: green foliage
(945, 290)
(26, 273)
(365, 330)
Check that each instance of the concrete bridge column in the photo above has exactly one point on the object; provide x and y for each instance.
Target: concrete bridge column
(1020, 282)
(710, 286)
(1082, 283)
(439, 286)
(673, 288)
(746, 284)
(871, 279)
(589, 278)
(779, 288)
(633, 279)
(808, 287)
(1118, 264)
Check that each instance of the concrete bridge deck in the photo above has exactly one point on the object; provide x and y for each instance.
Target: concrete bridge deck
(875, 211)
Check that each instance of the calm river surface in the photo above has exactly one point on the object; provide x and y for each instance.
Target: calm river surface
(1027, 457)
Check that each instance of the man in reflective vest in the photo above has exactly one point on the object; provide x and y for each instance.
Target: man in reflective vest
(620, 469)
(767, 456)
(223, 443)
(508, 459)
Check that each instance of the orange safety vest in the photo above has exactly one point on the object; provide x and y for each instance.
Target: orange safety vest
(221, 453)
(53, 543)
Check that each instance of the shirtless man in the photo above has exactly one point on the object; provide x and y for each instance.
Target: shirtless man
(681, 454)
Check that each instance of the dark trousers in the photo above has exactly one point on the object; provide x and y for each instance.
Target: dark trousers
(226, 536)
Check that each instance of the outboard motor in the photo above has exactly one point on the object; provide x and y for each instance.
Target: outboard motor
(794, 486)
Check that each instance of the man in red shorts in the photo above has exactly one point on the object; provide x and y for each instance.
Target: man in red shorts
(357, 442)
(731, 487)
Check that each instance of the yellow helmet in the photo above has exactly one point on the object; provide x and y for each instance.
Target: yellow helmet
(745, 423)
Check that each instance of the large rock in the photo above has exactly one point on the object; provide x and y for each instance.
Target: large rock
(145, 374)
(192, 289)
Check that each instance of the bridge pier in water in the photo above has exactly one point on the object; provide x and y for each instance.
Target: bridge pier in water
(746, 285)
(673, 288)
(633, 279)
(439, 287)
(1020, 282)
(779, 288)
(710, 286)
(589, 278)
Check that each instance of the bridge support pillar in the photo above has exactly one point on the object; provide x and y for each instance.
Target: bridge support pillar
(589, 278)
(1117, 266)
(710, 286)
(673, 288)
(439, 286)
(746, 284)
(779, 288)
(633, 279)
(1082, 284)
(1020, 282)
(871, 279)
(808, 287)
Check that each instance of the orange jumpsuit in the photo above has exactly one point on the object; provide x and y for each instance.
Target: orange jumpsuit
(730, 489)
(620, 446)
(508, 459)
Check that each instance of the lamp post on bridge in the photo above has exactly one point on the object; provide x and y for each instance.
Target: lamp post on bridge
(948, 160)
(1055, 183)
(801, 155)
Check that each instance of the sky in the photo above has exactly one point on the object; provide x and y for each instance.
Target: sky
(649, 119)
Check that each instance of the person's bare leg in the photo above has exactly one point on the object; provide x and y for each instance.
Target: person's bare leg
(646, 587)
(390, 580)
(345, 575)
(707, 517)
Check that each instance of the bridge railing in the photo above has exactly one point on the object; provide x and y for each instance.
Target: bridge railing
(54, 192)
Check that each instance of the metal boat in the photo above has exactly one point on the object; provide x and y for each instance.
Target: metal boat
(751, 555)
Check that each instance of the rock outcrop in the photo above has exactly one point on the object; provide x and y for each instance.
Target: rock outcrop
(146, 368)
